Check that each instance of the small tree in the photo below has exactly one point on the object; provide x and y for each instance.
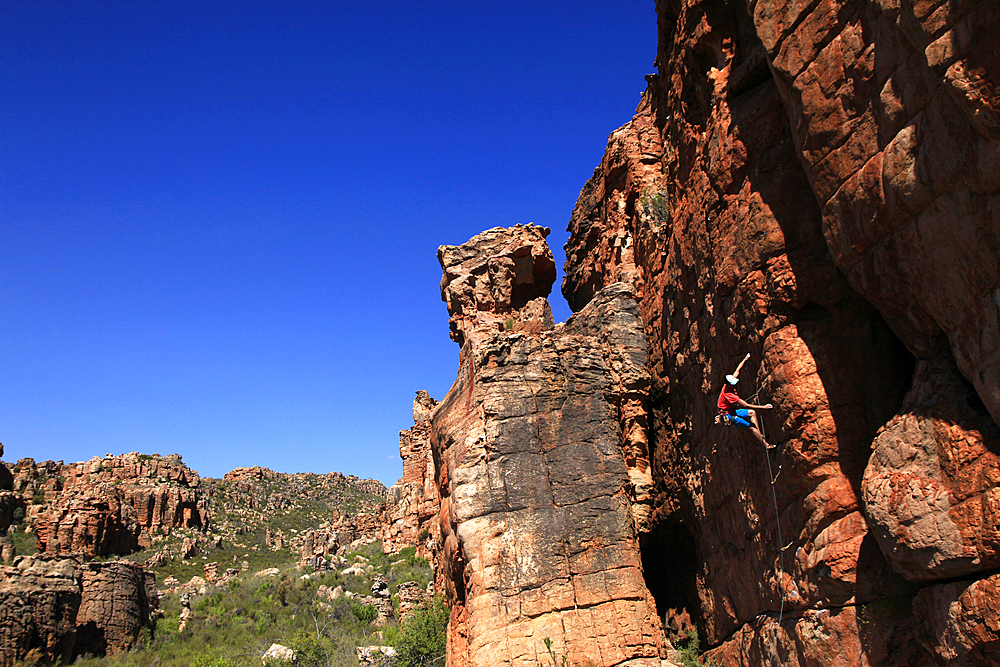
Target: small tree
(421, 639)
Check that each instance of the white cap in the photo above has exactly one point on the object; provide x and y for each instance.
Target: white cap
(732, 379)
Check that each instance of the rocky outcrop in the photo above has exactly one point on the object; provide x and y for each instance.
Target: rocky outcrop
(53, 609)
(812, 183)
(113, 505)
(895, 111)
(932, 488)
(318, 546)
(414, 500)
(538, 530)
(499, 289)
(9, 501)
(118, 599)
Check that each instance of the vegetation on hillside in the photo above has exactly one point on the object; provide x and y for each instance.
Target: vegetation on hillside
(233, 625)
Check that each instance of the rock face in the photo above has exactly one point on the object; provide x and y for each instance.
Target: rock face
(815, 183)
(932, 488)
(54, 608)
(414, 500)
(113, 505)
(894, 108)
(538, 529)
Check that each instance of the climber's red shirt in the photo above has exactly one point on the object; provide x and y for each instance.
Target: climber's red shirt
(728, 400)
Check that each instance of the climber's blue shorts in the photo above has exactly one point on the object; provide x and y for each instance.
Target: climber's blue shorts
(742, 418)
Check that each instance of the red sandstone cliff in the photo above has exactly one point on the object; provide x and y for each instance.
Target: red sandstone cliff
(816, 183)
(813, 183)
(110, 505)
(539, 508)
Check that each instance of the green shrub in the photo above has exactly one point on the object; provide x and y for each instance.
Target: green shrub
(656, 206)
(364, 612)
(310, 650)
(421, 641)
(689, 648)
(563, 661)
(203, 660)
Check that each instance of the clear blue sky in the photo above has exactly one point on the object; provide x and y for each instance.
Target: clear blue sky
(220, 220)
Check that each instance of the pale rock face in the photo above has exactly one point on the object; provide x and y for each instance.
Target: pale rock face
(277, 653)
(539, 505)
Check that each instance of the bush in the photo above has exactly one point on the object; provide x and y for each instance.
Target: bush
(363, 612)
(202, 660)
(310, 650)
(420, 641)
(689, 648)
(656, 206)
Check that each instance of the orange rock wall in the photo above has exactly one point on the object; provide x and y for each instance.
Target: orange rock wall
(812, 183)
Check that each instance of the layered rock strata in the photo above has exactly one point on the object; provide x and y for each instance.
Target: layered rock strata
(113, 505)
(414, 500)
(538, 531)
(318, 546)
(53, 609)
(812, 183)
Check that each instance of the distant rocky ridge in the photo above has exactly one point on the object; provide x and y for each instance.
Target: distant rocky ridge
(59, 603)
(111, 505)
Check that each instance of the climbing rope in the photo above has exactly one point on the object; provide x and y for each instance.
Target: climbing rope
(777, 521)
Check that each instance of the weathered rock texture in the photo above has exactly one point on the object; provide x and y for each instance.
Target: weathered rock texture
(9, 501)
(932, 488)
(414, 501)
(538, 530)
(503, 289)
(318, 546)
(815, 183)
(895, 111)
(55, 608)
(113, 505)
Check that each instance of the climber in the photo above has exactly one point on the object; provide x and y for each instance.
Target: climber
(745, 415)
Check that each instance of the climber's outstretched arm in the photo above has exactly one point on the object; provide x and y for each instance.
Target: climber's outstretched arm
(736, 373)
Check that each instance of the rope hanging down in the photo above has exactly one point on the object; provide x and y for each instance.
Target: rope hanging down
(777, 522)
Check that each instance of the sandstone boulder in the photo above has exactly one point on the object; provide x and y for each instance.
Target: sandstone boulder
(54, 608)
(277, 653)
(932, 488)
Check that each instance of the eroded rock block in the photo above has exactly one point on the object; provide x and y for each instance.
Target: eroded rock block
(932, 487)
(538, 440)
